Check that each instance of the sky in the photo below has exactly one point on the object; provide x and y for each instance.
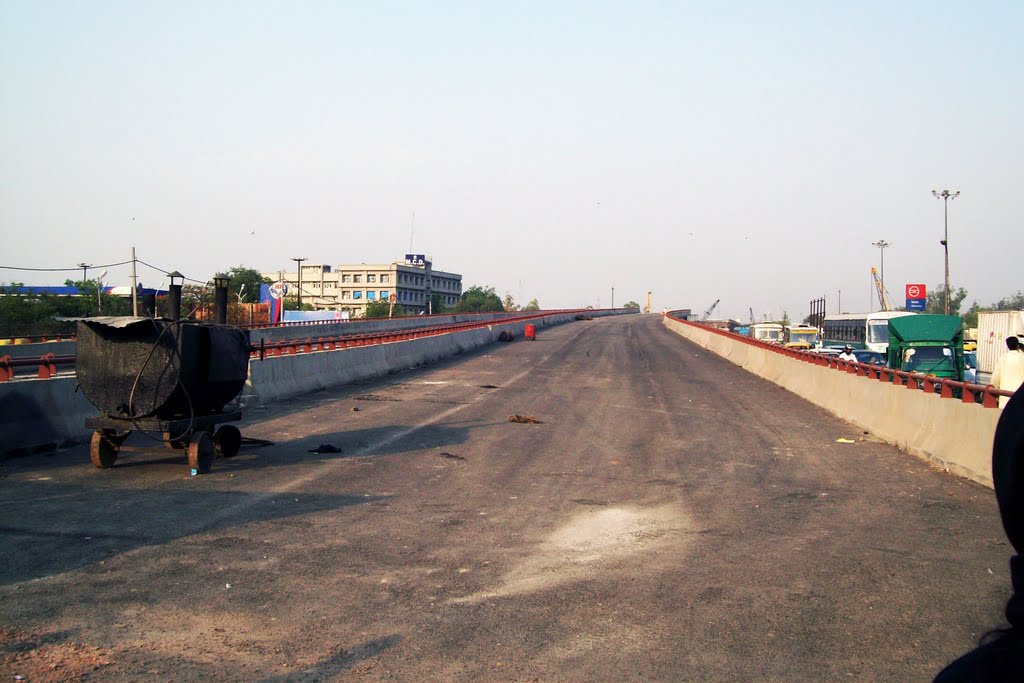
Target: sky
(747, 152)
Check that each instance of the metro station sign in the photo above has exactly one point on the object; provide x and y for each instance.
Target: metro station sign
(917, 292)
(917, 297)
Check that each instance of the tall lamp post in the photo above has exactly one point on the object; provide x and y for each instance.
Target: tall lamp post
(945, 196)
(298, 288)
(882, 245)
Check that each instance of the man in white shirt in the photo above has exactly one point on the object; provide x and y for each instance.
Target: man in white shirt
(847, 354)
(1009, 372)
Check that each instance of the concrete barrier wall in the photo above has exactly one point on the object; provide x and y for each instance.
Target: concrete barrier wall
(950, 434)
(281, 377)
(57, 348)
(41, 414)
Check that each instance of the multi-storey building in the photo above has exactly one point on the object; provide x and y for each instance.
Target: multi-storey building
(350, 287)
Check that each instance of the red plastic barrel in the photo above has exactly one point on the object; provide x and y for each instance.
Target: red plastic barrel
(530, 333)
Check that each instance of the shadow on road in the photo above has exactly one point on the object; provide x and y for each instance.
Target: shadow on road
(49, 528)
(341, 661)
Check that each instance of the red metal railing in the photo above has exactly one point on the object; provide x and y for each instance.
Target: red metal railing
(47, 366)
(946, 388)
(308, 323)
(295, 346)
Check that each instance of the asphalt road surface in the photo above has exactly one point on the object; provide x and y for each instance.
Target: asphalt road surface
(668, 517)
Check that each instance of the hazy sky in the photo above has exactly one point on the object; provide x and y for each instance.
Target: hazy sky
(746, 151)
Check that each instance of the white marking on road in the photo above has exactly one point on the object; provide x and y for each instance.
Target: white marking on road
(590, 542)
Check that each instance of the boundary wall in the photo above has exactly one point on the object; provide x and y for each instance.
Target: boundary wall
(947, 433)
(38, 415)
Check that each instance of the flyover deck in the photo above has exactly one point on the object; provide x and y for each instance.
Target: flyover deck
(670, 517)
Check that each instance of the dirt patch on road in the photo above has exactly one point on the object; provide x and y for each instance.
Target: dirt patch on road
(591, 542)
(39, 659)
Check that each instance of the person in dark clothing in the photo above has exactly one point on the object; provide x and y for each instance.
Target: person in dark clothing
(1000, 656)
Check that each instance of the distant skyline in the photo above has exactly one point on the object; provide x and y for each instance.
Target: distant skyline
(742, 151)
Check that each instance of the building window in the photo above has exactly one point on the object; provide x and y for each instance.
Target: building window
(346, 278)
(346, 294)
(385, 278)
(383, 294)
(357, 278)
(357, 294)
(371, 295)
(371, 277)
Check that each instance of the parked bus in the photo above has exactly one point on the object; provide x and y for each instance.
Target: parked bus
(767, 332)
(800, 337)
(860, 330)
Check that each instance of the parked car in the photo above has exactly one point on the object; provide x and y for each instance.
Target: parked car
(872, 357)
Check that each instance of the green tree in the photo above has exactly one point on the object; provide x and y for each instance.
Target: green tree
(534, 305)
(1010, 303)
(510, 302)
(631, 304)
(436, 304)
(244, 280)
(381, 308)
(478, 300)
(936, 300)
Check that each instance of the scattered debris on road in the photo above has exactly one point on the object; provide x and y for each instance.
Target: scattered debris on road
(325, 448)
(582, 316)
(488, 386)
(450, 456)
(375, 397)
(524, 419)
(506, 336)
(842, 440)
(356, 409)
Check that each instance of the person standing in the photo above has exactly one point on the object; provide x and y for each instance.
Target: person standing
(1009, 372)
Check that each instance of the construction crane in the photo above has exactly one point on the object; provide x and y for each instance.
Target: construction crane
(883, 298)
(711, 309)
(751, 315)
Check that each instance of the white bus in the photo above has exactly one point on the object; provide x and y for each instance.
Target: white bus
(767, 332)
(860, 330)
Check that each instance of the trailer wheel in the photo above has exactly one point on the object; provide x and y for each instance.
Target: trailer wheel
(200, 452)
(103, 448)
(175, 444)
(227, 440)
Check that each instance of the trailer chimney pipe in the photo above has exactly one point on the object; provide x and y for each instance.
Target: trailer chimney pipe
(220, 300)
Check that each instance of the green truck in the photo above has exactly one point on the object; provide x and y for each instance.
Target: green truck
(927, 344)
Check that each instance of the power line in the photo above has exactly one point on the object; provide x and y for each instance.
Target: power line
(62, 270)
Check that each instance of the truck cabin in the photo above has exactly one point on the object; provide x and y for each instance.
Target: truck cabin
(927, 344)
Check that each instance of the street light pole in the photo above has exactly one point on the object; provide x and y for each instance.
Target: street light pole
(945, 196)
(298, 267)
(882, 245)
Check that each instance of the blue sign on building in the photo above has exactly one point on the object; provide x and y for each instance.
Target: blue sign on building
(916, 304)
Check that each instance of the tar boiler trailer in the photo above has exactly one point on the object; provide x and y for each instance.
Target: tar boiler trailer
(170, 377)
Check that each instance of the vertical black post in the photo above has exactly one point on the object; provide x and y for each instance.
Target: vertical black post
(174, 297)
(220, 300)
(149, 304)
